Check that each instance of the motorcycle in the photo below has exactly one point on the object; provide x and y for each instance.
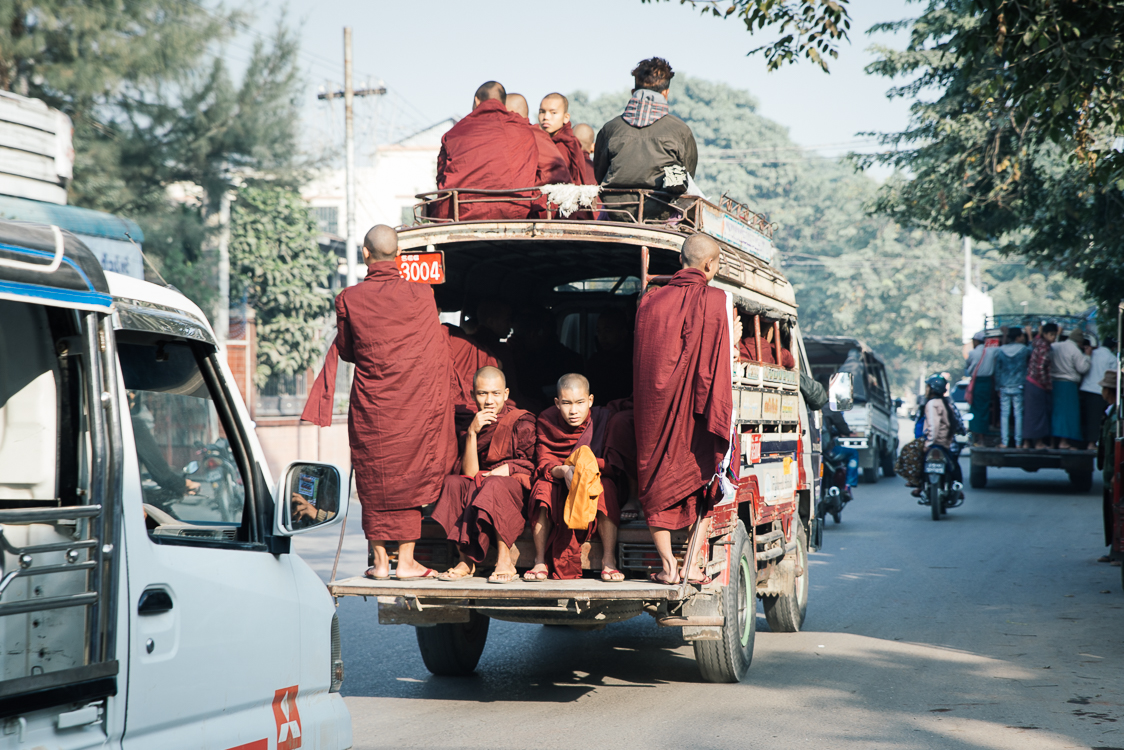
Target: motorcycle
(220, 478)
(836, 492)
(940, 488)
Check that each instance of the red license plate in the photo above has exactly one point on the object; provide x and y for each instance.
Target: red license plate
(424, 268)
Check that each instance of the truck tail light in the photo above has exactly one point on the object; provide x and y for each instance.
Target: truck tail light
(337, 658)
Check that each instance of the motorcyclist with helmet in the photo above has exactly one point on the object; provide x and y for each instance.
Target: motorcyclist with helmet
(942, 422)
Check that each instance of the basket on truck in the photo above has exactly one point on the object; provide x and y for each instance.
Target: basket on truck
(984, 437)
(753, 546)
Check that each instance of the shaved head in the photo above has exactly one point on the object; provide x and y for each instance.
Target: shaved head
(701, 252)
(491, 90)
(584, 134)
(556, 97)
(380, 244)
(575, 382)
(488, 375)
(517, 103)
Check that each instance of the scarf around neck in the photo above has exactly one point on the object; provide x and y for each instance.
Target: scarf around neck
(644, 108)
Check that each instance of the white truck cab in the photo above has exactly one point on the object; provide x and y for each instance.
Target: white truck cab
(148, 597)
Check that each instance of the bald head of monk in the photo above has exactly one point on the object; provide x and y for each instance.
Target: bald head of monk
(489, 90)
(380, 244)
(489, 389)
(701, 252)
(584, 134)
(574, 399)
(554, 112)
(517, 103)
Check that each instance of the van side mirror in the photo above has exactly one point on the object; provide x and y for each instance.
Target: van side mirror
(310, 495)
(841, 392)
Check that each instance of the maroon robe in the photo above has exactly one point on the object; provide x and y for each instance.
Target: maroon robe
(472, 510)
(682, 395)
(554, 443)
(488, 149)
(552, 166)
(400, 416)
(468, 357)
(581, 168)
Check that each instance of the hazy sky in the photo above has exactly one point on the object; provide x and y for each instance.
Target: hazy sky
(432, 56)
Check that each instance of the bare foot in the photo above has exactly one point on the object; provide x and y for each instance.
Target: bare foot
(503, 575)
(410, 571)
(631, 511)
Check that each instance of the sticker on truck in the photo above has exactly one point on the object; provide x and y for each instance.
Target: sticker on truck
(287, 717)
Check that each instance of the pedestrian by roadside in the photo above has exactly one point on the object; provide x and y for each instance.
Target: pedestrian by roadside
(1106, 462)
(1069, 361)
(1010, 378)
(1102, 359)
(1036, 393)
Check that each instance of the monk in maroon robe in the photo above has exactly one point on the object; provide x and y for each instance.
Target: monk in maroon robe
(554, 119)
(552, 167)
(747, 351)
(682, 394)
(587, 138)
(468, 357)
(484, 502)
(573, 421)
(488, 149)
(400, 416)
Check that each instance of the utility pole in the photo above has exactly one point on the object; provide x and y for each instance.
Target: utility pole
(349, 93)
(222, 316)
(967, 264)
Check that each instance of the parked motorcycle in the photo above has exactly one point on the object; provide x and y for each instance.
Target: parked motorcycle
(940, 487)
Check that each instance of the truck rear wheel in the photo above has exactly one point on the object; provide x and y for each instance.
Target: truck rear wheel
(977, 477)
(453, 649)
(888, 463)
(870, 476)
(1081, 479)
(728, 659)
(785, 614)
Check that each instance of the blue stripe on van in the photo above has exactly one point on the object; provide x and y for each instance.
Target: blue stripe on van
(54, 294)
(48, 256)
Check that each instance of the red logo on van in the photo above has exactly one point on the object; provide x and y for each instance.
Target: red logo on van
(288, 718)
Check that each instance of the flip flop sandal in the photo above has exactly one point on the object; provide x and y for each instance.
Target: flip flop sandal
(535, 576)
(446, 577)
(367, 574)
(656, 578)
(610, 572)
(701, 581)
(508, 578)
(429, 575)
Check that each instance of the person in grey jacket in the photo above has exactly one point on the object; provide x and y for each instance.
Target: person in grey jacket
(1010, 374)
(646, 147)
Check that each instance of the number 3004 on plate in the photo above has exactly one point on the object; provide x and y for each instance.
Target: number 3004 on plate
(424, 268)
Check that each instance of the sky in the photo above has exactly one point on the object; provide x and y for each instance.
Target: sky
(431, 57)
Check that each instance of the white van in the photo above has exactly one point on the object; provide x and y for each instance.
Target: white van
(148, 597)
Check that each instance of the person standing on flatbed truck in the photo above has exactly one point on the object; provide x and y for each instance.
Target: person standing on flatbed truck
(682, 375)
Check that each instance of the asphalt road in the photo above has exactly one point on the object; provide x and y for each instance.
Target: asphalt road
(994, 628)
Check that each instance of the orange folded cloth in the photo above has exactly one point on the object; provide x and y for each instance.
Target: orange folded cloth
(581, 504)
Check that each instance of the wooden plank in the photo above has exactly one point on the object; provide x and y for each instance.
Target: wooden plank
(479, 588)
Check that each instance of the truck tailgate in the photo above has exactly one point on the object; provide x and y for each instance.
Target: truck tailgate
(584, 589)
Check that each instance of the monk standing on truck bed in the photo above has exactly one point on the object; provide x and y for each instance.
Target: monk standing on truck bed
(483, 502)
(682, 389)
(400, 418)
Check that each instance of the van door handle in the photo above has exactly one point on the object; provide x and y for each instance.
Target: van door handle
(154, 602)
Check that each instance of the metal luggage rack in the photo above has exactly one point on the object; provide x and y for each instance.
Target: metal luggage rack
(727, 220)
(1019, 320)
(25, 556)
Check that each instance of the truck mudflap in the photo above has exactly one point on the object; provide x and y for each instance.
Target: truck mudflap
(1033, 460)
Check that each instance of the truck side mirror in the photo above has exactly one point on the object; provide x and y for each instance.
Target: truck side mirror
(841, 392)
(309, 495)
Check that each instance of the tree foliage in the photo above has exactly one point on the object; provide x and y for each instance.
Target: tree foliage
(1015, 103)
(809, 28)
(855, 274)
(278, 267)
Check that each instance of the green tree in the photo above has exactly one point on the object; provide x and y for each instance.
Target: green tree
(1015, 104)
(812, 28)
(273, 258)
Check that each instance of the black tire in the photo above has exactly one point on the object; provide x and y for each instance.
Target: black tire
(453, 649)
(837, 518)
(728, 659)
(785, 614)
(888, 459)
(870, 476)
(1082, 481)
(935, 497)
(977, 477)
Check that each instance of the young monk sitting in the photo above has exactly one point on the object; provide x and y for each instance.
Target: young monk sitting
(747, 349)
(554, 118)
(562, 429)
(484, 504)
